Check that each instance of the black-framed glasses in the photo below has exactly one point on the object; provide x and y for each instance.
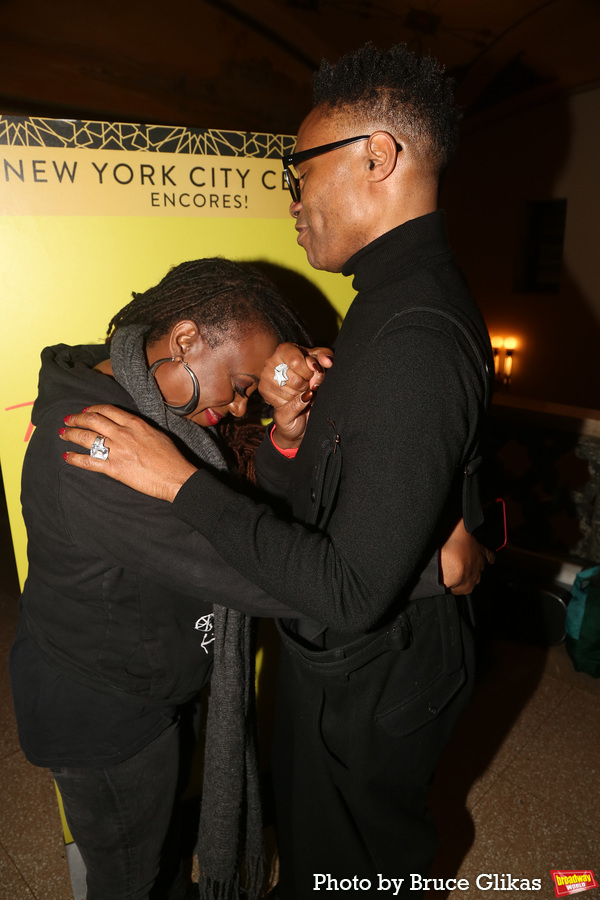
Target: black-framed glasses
(293, 159)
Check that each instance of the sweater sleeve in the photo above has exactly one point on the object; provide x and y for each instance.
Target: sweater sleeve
(139, 534)
(273, 469)
(413, 415)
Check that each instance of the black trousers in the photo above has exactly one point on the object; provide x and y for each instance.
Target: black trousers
(358, 732)
(128, 819)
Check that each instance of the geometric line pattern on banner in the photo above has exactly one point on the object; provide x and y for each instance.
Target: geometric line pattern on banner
(30, 131)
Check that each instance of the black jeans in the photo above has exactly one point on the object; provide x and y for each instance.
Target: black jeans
(358, 732)
(124, 821)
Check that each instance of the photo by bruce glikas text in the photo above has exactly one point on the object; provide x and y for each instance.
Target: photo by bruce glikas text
(392, 886)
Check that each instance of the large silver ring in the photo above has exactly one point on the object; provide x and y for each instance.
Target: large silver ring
(281, 374)
(98, 450)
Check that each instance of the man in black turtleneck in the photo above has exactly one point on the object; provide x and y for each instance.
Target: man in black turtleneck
(375, 676)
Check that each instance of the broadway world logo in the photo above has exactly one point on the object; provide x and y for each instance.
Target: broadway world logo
(572, 881)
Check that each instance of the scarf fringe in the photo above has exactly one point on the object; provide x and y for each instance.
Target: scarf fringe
(219, 890)
(213, 889)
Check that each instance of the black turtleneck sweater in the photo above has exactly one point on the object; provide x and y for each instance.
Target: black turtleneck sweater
(401, 408)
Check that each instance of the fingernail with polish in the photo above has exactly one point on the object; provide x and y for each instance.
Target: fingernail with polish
(66, 419)
(85, 409)
(61, 431)
(65, 455)
(306, 396)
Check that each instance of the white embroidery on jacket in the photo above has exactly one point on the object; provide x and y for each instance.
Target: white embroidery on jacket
(206, 624)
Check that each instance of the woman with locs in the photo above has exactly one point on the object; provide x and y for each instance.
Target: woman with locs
(124, 614)
(127, 611)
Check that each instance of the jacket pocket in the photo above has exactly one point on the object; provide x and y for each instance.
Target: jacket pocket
(326, 474)
(425, 677)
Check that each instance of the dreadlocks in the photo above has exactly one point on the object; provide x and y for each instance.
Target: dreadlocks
(397, 90)
(219, 295)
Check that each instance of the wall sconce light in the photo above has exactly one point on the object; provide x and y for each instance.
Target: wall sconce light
(497, 345)
(504, 350)
(510, 345)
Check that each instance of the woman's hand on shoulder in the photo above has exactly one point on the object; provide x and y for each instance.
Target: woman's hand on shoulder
(139, 455)
(291, 393)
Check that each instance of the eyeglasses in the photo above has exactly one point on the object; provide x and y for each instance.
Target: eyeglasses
(293, 181)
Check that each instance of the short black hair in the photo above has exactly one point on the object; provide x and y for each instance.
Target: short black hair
(410, 94)
(221, 296)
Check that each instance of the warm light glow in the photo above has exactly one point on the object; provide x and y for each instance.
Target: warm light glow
(510, 345)
(503, 368)
(497, 344)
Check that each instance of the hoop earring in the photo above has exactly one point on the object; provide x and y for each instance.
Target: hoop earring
(191, 405)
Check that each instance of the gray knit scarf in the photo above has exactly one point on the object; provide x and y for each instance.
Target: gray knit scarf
(230, 817)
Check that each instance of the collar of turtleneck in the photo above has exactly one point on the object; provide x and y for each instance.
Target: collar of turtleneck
(413, 242)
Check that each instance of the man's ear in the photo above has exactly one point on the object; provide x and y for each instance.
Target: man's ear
(184, 335)
(382, 154)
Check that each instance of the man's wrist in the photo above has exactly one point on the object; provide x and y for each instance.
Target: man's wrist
(176, 483)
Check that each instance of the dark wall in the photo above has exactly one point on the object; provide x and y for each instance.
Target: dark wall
(542, 153)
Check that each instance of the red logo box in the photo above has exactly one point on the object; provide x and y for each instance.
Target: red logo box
(572, 881)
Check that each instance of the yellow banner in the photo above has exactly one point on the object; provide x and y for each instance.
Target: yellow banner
(109, 183)
(58, 167)
(92, 211)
